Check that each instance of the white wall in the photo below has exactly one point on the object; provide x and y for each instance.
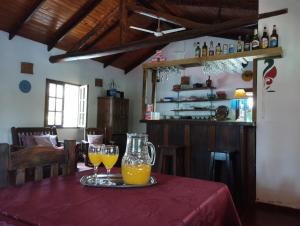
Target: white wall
(19, 109)
(184, 49)
(278, 123)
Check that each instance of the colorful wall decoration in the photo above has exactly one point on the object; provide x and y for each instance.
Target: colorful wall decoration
(269, 74)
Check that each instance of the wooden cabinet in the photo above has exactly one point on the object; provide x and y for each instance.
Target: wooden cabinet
(113, 115)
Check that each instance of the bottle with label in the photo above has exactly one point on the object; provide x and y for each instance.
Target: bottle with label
(265, 39)
(255, 40)
(247, 45)
(211, 49)
(274, 38)
(218, 49)
(197, 50)
(239, 46)
(231, 48)
(225, 48)
(204, 49)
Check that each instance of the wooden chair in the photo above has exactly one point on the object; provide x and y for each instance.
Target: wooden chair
(85, 144)
(227, 157)
(174, 153)
(13, 165)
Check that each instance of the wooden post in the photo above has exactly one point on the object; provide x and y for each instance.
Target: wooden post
(211, 137)
(254, 90)
(145, 72)
(153, 97)
(4, 156)
(166, 134)
(187, 153)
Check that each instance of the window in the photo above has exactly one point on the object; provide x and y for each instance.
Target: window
(66, 104)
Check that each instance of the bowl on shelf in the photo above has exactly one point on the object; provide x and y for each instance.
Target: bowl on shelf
(197, 85)
(221, 94)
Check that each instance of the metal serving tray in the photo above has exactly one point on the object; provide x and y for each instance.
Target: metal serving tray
(117, 180)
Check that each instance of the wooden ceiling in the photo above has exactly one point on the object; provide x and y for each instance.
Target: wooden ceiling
(95, 24)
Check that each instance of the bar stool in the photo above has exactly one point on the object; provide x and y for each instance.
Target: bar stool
(176, 155)
(223, 156)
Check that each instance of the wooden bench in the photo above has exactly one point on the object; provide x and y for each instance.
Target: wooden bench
(18, 132)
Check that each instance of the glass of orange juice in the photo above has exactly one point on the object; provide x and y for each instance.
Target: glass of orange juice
(95, 157)
(109, 156)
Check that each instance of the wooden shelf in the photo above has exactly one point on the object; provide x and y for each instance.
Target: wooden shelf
(197, 61)
(191, 89)
(203, 109)
(191, 101)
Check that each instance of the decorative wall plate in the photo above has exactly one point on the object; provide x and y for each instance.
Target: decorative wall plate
(222, 112)
(247, 75)
(25, 86)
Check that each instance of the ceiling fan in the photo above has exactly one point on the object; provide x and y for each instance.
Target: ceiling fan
(158, 32)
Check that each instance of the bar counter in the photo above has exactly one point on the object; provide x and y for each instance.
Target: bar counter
(202, 136)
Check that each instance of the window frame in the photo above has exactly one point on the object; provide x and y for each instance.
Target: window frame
(48, 81)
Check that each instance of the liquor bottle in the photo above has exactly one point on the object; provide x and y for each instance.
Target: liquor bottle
(204, 49)
(255, 40)
(197, 50)
(218, 49)
(231, 48)
(225, 48)
(239, 46)
(265, 39)
(274, 38)
(247, 44)
(211, 49)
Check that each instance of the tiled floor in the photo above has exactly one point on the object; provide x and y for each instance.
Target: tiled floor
(268, 216)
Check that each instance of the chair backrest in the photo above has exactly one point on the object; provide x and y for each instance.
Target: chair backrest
(96, 131)
(18, 132)
(37, 158)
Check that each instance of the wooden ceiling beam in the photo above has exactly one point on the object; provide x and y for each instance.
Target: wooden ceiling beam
(19, 24)
(241, 4)
(142, 59)
(179, 20)
(103, 35)
(72, 22)
(156, 41)
(123, 21)
(95, 30)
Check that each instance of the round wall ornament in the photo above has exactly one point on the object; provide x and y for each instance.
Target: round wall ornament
(25, 86)
(247, 75)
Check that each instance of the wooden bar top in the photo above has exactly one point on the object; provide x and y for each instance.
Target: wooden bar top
(198, 121)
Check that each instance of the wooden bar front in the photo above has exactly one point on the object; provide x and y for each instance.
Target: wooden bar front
(199, 137)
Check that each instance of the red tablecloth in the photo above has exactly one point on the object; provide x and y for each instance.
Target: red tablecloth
(174, 201)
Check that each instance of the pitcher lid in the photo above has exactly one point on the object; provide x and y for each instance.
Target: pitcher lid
(138, 135)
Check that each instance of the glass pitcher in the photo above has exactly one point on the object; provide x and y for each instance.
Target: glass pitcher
(136, 162)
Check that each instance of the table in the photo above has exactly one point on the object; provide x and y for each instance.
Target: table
(174, 201)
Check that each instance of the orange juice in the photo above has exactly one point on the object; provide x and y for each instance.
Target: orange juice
(95, 158)
(138, 174)
(109, 160)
